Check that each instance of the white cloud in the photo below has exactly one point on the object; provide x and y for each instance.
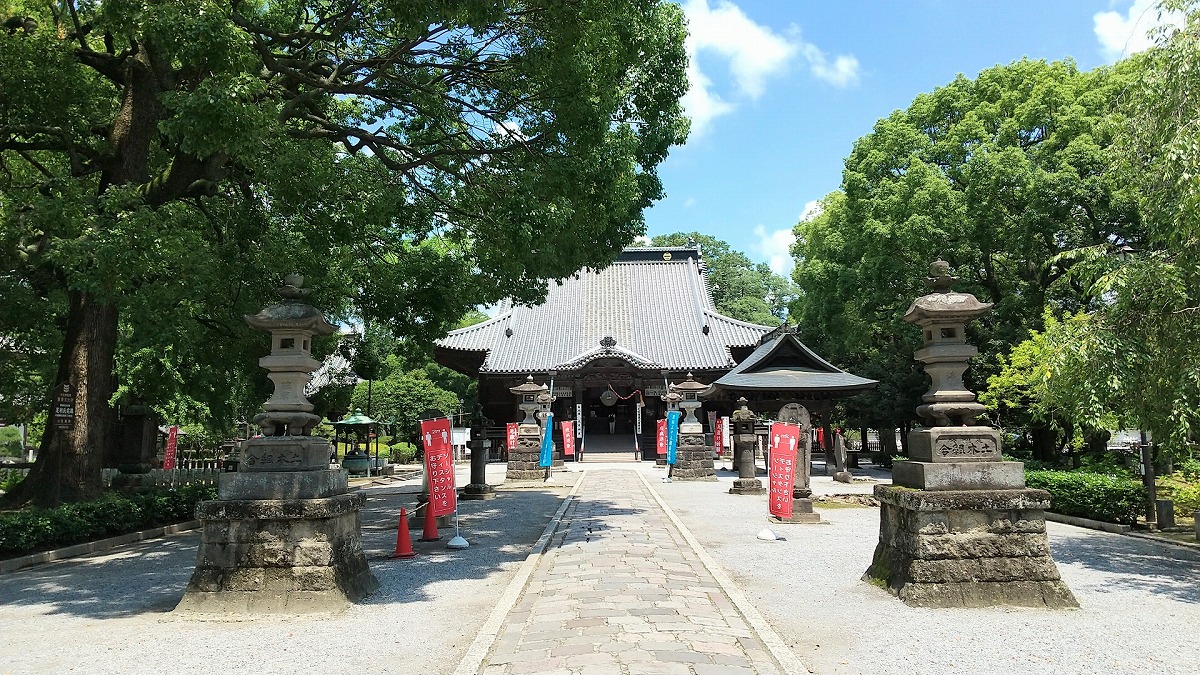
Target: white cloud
(843, 72)
(754, 54)
(691, 201)
(1121, 36)
(775, 248)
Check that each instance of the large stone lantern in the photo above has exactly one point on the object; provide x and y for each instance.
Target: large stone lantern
(958, 527)
(534, 401)
(694, 460)
(284, 533)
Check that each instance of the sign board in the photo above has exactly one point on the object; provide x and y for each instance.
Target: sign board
(672, 434)
(510, 441)
(460, 435)
(783, 442)
(662, 438)
(172, 444)
(568, 439)
(439, 466)
(564, 392)
(719, 435)
(64, 406)
(546, 458)
(579, 416)
(637, 420)
(656, 391)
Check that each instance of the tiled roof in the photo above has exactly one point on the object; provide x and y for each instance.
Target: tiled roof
(660, 314)
(784, 363)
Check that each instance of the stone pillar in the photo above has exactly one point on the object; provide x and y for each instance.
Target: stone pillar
(958, 527)
(694, 458)
(742, 421)
(284, 534)
(478, 488)
(523, 459)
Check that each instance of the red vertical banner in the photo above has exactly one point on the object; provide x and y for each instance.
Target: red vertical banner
(439, 465)
(511, 435)
(662, 438)
(172, 443)
(568, 431)
(784, 440)
(719, 435)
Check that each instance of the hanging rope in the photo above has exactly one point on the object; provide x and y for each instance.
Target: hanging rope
(638, 392)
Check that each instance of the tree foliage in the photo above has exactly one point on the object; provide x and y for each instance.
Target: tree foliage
(163, 162)
(997, 175)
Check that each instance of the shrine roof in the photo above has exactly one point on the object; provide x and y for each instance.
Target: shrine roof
(783, 363)
(652, 308)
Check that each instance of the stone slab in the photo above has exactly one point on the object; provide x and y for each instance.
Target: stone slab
(281, 484)
(964, 500)
(280, 509)
(959, 475)
(955, 444)
(284, 453)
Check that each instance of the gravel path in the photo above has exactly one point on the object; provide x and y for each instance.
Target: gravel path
(108, 613)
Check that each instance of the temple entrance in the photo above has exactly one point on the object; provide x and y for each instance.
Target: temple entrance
(610, 416)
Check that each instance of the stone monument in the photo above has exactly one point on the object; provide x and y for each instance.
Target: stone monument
(742, 421)
(478, 488)
(802, 503)
(523, 460)
(283, 535)
(958, 527)
(694, 459)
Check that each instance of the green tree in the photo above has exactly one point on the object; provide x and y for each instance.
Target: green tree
(741, 288)
(164, 161)
(401, 397)
(998, 175)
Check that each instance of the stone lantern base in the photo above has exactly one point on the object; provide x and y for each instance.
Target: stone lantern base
(282, 537)
(694, 460)
(523, 460)
(966, 548)
(279, 555)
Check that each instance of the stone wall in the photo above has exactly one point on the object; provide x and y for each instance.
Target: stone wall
(693, 459)
(966, 549)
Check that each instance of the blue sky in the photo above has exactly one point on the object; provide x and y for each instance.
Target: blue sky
(781, 89)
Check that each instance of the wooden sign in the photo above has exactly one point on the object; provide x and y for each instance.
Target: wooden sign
(784, 441)
(64, 406)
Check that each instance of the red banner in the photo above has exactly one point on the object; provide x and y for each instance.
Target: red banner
(568, 429)
(511, 429)
(172, 442)
(439, 465)
(662, 438)
(719, 435)
(784, 441)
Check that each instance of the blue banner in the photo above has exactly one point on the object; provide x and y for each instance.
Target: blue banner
(547, 456)
(672, 434)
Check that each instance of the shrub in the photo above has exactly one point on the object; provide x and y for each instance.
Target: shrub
(35, 529)
(1189, 469)
(1090, 495)
(1186, 499)
(403, 453)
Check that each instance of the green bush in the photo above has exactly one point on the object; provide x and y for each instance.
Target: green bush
(1186, 499)
(1090, 495)
(35, 529)
(403, 453)
(1189, 469)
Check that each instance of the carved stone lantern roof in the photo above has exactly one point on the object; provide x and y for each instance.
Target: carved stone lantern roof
(292, 314)
(529, 388)
(689, 386)
(944, 305)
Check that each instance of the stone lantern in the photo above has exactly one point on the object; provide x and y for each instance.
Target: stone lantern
(694, 460)
(284, 533)
(534, 401)
(958, 527)
(742, 421)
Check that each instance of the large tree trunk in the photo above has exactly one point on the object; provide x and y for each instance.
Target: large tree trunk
(1045, 443)
(69, 462)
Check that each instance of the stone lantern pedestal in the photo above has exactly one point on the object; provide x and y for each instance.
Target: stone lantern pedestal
(694, 458)
(283, 535)
(958, 527)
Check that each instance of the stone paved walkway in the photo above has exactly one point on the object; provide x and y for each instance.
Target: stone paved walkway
(619, 590)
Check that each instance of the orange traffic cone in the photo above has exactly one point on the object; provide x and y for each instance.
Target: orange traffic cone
(430, 533)
(403, 539)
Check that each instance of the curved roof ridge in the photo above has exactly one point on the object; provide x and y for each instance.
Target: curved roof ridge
(737, 322)
(601, 352)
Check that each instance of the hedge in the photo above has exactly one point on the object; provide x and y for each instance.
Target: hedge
(34, 529)
(1091, 495)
